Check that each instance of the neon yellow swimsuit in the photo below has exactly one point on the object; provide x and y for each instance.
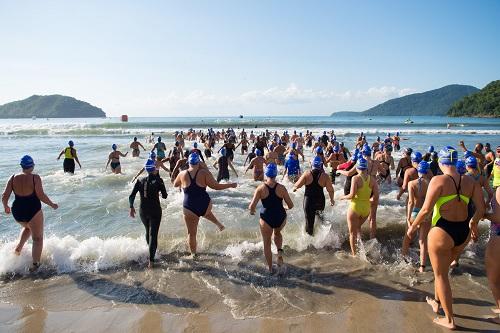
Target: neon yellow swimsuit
(360, 204)
(496, 173)
(436, 215)
(68, 153)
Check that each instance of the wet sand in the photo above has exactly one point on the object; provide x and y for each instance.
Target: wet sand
(321, 291)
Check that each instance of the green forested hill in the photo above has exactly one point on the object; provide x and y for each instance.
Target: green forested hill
(52, 106)
(485, 103)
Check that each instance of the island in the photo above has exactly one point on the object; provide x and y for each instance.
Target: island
(484, 103)
(50, 106)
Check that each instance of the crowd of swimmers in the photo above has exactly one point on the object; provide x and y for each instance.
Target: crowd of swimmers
(448, 192)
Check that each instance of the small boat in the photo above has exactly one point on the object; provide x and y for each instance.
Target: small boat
(408, 121)
(241, 116)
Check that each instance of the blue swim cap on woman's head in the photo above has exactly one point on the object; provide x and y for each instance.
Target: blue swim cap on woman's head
(448, 156)
(294, 145)
(114, 146)
(258, 152)
(317, 162)
(150, 166)
(194, 158)
(416, 157)
(318, 150)
(461, 169)
(422, 167)
(467, 154)
(362, 164)
(71, 143)
(336, 148)
(271, 170)
(195, 145)
(27, 162)
(159, 139)
(471, 162)
(270, 147)
(367, 151)
(152, 155)
(223, 151)
(430, 149)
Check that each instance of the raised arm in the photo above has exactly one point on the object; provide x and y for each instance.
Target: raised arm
(140, 144)
(41, 194)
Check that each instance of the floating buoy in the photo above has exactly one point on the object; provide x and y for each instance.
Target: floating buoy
(124, 118)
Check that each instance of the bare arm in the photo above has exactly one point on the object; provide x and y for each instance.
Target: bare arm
(109, 160)
(301, 182)
(213, 184)
(351, 172)
(232, 167)
(6, 195)
(287, 199)
(60, 154)
(138, 174)
(122, 154)
(353, 191)
(411, 203)
(140, 144)
(330, 189)
(178, 181)
(41, 194)
(433, 193)
(255, 201)
(478, 199)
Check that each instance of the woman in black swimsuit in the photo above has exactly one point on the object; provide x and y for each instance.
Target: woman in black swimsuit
(404, 163)
(27, 208)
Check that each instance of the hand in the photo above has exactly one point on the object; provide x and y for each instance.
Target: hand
(252, 212)
(54, 206)
(411, 231)
(132, 212)
(7, 210)
(332, 202)
(233, 185)
(474, 232)
(398, 197)
(294, 189)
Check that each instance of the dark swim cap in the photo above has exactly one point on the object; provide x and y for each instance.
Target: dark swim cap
(114, 146)
(150, 166)
(70, 143)
(27, 162)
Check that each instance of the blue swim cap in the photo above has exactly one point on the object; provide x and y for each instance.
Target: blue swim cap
(336, 148)
(159, 139)
(318, 150)
(294, 145)
(223, 151)
(152, 155)
(362, 164)
(271, 170)
(367, 151)
(71, 143)
(423, 167)
(194, 158)
(448, 156)
(150, 166)
(471, 162)
(388, 135)
(381, 147)
(461, 169)
(317, 162)
(114, 146)
(467, 154)
(416, 157)
(430, 149)
(378, 138)
(27, 162)
(195, 145)
(397, 133)
(324, 132)
(258, 152)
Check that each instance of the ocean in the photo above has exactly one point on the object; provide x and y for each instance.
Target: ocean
(92, 248)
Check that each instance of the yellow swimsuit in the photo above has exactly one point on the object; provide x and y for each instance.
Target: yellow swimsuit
(360, 204)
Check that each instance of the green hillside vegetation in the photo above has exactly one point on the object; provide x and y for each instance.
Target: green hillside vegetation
(52, 106)
(485, 103)
(435, 102)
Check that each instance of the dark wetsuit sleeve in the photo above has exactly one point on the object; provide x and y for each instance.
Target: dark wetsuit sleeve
(131, 198)
(163, 190)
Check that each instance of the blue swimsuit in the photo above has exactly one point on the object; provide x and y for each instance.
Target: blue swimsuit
(196, 198)
(273, 212)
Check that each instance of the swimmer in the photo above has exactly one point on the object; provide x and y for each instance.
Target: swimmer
(197, 203)
(292, 168)
(335, 159)
(403, 164)
(222, 165)
(257, 164)
(251, 155)
(449, 194)
(158, 165)
(271, 156)
(273, 214)
(280, 150)
(134, 145)
(363, 187)
(315, 181)
(243, 143)
(69, 158)
(417, 190)
(150, 212)
(114, 160)
(27, 208)
(386, 162)
(161, 148)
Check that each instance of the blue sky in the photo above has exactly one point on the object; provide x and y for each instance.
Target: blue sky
(165, 58)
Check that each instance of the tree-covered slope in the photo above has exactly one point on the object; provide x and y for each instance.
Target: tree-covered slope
(484, 103)
(435, 102)
(52, 106)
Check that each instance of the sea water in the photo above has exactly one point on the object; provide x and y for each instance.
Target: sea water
(91, 230)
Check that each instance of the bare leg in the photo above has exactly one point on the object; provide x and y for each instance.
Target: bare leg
(441, 253)
(23, 237)
(278, 241)
(373, 219)
(422, 241)
(267, 232)
(211, 217)
(492, 259)
(352, 223)
(36, 226)
(191, 221)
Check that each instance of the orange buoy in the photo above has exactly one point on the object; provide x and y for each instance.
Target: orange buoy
(124, 118)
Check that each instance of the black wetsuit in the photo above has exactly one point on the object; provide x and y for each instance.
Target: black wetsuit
(314, 200)
(223, 165)
(149, 188)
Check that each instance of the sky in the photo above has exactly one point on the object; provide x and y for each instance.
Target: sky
(225, 58)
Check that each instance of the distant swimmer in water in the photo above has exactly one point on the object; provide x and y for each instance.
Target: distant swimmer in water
(114, 160)
(449, 194)
(160, 148)
(363, 187)
(69, 158)
(222, 166)
(149, 188)
(135, 147)
(257, 164)
(27, 207)
(417, 190)
(315, 181)
(492, 255)
(197, 203)
(251, 155)
(292, 168)
(272, 214)
(159, 164)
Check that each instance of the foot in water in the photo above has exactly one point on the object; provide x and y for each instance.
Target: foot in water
(34, 267)
(421, 269)
(221, 227)
(150, 264)
(433, 303)
(445, 323)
